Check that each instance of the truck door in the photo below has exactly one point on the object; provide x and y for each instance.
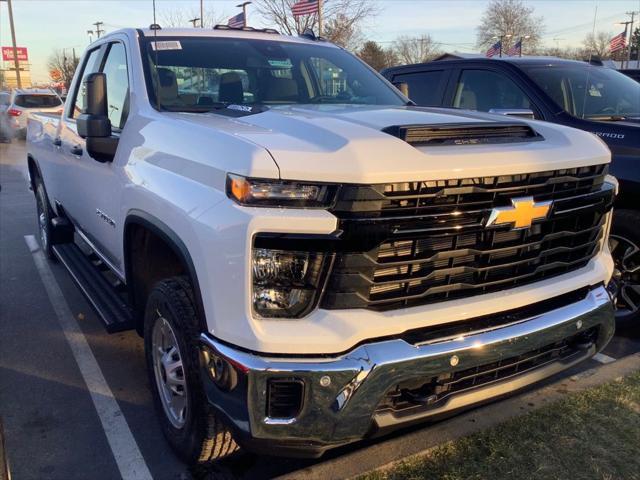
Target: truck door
(94, 199)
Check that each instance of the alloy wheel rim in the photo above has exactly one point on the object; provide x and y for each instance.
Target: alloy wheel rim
(169, 372)
(42, 225)
(626, 257)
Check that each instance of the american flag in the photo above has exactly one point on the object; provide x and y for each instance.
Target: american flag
(516, 49)
(495, 49)
(236, 21)
(305, 7)
(618, 42)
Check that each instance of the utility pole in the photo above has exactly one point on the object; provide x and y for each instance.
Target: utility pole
(244, 11)
(201, 14)
(16, 64)
(98, 30)
(194, 21)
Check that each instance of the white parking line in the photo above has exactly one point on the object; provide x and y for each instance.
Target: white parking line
(602, 358)
(124, 447)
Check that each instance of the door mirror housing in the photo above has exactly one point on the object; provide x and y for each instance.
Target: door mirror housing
(93, 123)
(514, 112)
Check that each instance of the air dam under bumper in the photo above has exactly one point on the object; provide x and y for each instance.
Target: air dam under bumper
(342, 394)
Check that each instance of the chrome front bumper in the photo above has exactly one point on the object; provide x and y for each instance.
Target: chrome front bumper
(342, 393)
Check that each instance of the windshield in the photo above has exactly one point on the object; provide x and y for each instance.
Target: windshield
(37, 101)
(587, 91)
(200, 74)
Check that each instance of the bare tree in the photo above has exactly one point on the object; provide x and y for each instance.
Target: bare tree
(415, 49)
(597, 44)
(341, 18)
(180, 18)
(509, 17)
(65, 64)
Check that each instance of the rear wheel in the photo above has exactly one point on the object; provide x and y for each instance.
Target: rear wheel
(624, 244)
(171, 347)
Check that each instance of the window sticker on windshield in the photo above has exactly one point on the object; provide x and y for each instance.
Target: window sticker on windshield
(166, 45)
(280, 63)
(594, 92)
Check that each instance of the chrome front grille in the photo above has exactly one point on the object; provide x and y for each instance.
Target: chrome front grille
(423, 242)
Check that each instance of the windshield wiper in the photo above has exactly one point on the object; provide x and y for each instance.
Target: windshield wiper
(195, 108)
(607, 118)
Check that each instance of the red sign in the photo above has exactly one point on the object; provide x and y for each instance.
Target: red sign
(7, 54)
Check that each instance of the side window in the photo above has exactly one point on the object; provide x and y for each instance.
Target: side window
(483, 90)
(115, 68)
(90, 66)
(425, 88)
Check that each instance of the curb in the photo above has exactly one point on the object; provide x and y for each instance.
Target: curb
(384, 454)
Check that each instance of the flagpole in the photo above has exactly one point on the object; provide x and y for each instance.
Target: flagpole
(319, 18)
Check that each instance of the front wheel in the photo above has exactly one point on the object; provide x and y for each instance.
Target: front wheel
(624, 243)
(45, 229)
(171, 348)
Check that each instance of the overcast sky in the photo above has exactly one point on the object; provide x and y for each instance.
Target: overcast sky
(43, 25)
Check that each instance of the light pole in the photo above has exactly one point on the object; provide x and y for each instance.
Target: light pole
(16, 64)
(90, 33)
(244, 11)
(522, 39)
(194, 21)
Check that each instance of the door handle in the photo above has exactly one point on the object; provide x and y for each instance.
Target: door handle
(76, 150)
(57, 141)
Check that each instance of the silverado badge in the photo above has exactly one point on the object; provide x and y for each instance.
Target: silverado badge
(522, 212)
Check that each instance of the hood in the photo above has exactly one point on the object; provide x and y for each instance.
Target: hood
(336, 143)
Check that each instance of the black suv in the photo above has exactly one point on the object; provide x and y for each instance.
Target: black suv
(577, 94)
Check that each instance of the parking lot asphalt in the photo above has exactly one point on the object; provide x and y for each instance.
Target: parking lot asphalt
(52, 427)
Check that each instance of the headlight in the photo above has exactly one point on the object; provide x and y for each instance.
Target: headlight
(264, 192)
(287, 283)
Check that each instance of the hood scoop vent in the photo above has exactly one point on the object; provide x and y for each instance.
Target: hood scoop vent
(464, 133)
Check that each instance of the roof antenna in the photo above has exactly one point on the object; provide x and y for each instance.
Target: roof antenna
(155, 27)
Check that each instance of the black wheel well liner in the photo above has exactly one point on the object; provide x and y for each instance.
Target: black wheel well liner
(628, 196)
(175, 244)
(32, 164)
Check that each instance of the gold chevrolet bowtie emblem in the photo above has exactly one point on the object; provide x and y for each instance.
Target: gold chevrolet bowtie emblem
(522, 212)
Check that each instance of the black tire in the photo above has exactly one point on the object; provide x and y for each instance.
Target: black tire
(45, 214)
(203, 438)
(625, 248)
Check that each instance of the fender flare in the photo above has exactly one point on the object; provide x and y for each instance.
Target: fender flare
(173, 240)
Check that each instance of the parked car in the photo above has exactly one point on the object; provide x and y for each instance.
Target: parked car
(323, 263)
(554, 90)
(24, 102)
(632, 73)
(5, 134)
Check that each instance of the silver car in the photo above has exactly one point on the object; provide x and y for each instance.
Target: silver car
(22, 103)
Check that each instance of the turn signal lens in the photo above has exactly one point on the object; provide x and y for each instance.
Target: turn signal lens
(263, 192)
(13, 112)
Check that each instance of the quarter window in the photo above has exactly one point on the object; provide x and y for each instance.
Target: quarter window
(425, 88)
(115, 69)
(90, 66)
(483, 90)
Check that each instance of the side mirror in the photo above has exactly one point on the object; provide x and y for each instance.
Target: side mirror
(403, 87)
(93, 123)
(514, 112)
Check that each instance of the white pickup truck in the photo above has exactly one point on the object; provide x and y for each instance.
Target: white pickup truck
(311, 259)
